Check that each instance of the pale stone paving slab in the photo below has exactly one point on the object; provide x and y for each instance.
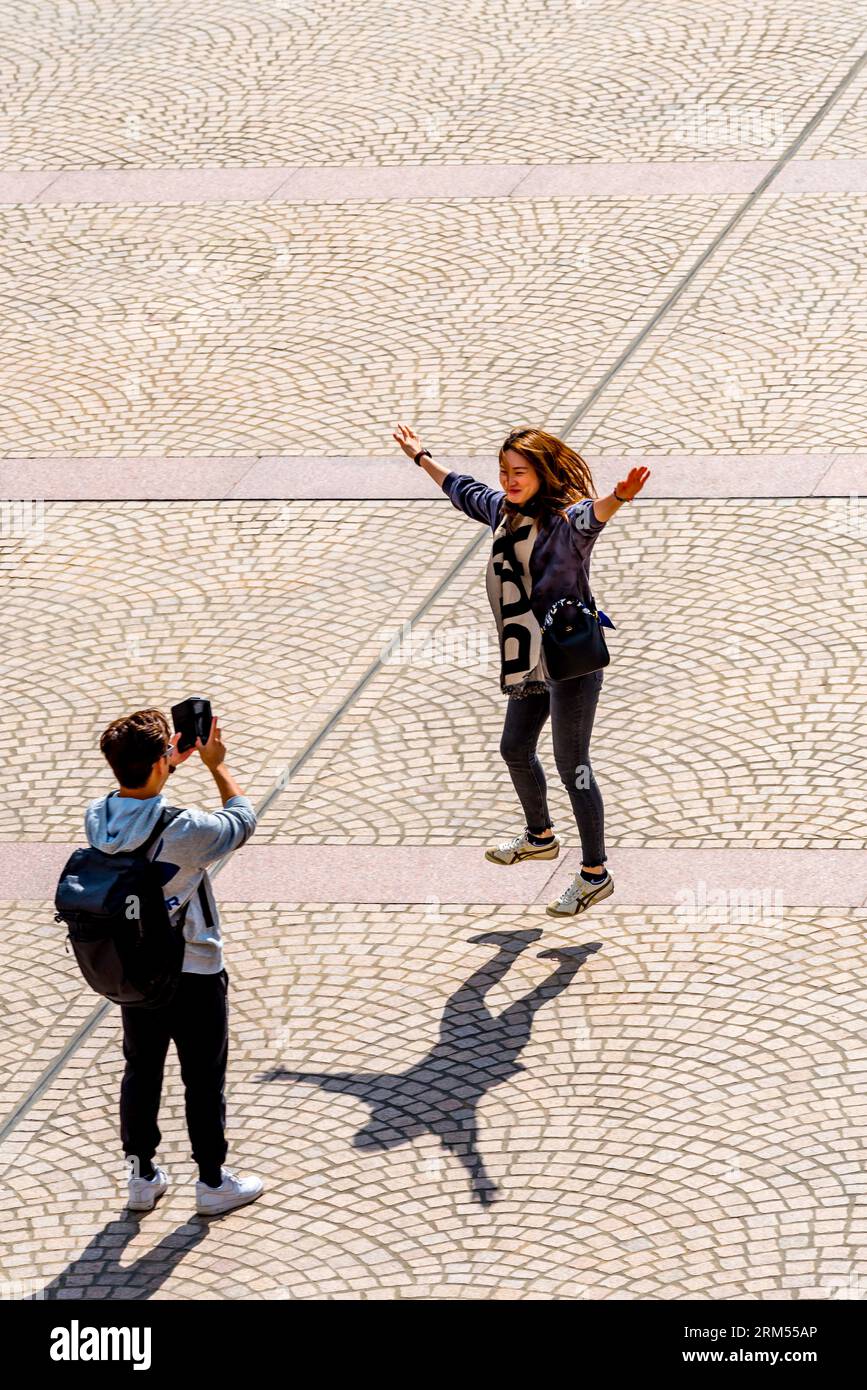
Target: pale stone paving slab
(643, 877)
(419, 873)
(688, 1122)
(161, 185)
(296, 184)
(837, 176)
(401, 182)
(112, 479)
(368, 478)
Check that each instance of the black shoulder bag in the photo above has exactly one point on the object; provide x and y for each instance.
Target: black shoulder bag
(572, 639)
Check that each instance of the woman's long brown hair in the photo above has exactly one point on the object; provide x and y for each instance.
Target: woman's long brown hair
(564, 476)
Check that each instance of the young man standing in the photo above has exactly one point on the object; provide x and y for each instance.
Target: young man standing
(142, 754)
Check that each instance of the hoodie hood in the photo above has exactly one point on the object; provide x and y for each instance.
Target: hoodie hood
(119, 823)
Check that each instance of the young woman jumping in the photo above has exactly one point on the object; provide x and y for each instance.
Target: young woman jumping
(548, 485)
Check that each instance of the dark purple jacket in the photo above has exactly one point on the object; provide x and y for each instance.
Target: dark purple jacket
(560, 559)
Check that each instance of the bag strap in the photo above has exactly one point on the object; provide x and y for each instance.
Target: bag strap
(166, 816)
(205, 905)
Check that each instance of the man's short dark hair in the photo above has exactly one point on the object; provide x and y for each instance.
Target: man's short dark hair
(133, 744)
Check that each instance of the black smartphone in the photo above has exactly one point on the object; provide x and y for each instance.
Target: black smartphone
(192, 720)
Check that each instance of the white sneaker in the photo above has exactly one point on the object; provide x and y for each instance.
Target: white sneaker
(144, 1192)
(580, 895)
(232, 1192)
(513, 851)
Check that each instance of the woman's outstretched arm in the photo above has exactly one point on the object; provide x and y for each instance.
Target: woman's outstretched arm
(471, 496)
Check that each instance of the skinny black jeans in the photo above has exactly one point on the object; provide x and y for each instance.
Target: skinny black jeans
(572, 707)
(197, 1021)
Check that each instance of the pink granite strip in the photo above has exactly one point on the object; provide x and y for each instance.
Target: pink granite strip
(394, 478)
(380, 874)
(162, 185)
(292, 183)
(337, 183)
(25, 185)
(377, 182)
(846, 474)
(113, 479)
(823, 176)
(305, 476)
(662, 877)
(30, 870)
(716, 475)
(645, 178)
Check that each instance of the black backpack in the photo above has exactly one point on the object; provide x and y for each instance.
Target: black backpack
(127, 946)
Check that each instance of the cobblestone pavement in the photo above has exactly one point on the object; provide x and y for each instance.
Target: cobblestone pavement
(764, 353)
(43, 1002)
(238, 244)
(245, 328)
(739, 707)
(740, 711)
(300, 593)
(388, 83)
(844, 134)
(684, 1125)
(232, 330)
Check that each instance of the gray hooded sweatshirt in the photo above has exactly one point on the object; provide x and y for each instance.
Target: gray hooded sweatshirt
(192, 841)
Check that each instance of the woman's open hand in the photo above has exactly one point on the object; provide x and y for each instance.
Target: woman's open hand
(633, 484)
(408, 440)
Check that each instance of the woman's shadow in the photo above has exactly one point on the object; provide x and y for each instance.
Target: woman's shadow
(476, 1050)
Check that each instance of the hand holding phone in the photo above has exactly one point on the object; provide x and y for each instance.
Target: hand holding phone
(192, 719)
(213, 750)
(175, 756)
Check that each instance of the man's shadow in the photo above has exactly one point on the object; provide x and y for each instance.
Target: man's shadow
(476, 1050)
(97, 1271)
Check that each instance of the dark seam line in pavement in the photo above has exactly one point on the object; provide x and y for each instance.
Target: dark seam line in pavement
(87, 1027)
(253, 464)
(819, 481)
(51, 1071)
(34, 201)
(714, 246)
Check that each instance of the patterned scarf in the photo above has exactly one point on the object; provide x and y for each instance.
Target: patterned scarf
(508, 582)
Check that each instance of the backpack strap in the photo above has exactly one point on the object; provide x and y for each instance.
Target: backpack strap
(166, 816)
(205, 905)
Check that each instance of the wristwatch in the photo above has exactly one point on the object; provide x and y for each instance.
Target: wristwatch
(422, 453)
(620, 499)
